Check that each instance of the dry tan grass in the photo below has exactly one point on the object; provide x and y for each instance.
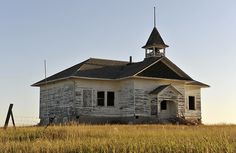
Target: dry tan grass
(120, 138)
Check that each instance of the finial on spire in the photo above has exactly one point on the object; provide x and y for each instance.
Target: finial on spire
(154, 16)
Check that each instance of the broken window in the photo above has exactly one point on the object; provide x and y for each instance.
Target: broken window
(110, 98)
(164, 105)
(191, 102)
(101, 98)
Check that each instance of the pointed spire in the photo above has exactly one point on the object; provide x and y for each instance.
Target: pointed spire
(155, 46)
(155, 40)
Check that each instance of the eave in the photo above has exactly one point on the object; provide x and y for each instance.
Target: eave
(197, 83)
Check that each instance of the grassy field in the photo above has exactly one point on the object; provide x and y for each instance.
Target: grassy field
(120, 138)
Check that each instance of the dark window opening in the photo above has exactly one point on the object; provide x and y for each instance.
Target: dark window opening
(164, 105)
(100, 98)
(191, 102)
(110, 98)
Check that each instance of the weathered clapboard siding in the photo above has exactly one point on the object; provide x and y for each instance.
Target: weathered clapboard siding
(153, 104)
(196, 92)
(180, 100)
(83, 100)
(142, 102)
(78, 97)
(126, 98)
(143, 86)
(171, 97)
(123, 103)
(56, 100)
(69, 100)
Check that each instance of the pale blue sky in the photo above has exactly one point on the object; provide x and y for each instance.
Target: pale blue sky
(201, 35)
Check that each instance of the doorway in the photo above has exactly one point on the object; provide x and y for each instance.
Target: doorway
(168, 109)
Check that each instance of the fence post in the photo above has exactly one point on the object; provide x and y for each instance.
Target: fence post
(9, 114)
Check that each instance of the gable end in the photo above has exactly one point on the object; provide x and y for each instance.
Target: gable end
(161, 70)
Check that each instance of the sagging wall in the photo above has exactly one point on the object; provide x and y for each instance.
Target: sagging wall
(195, 92)
(56, 100)
(123, 104)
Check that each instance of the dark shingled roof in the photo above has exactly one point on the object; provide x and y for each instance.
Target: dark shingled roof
(155, 40)
(87, 68)
(162, 71)
(101, 68)
(111, 69)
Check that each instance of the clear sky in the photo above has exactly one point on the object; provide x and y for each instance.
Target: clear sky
(201, 35)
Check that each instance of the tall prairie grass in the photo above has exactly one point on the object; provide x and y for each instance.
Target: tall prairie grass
(119, 139)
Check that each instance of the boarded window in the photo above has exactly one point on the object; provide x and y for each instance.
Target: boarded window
(191, 102)
(101, 98)
(154, 106)
(110, 98)
(164, 105)
(87, 98)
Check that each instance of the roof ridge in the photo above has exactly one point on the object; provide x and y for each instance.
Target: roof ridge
(103, 59)
(82, 63)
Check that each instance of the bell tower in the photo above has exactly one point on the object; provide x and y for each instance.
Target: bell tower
(155, 46)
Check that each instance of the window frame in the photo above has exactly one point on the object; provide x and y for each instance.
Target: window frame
(192, 107)
(104, 103)
(113, 99)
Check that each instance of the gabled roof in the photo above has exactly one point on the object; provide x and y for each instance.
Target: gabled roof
(111, 69)
(155, 40)
(162, 70)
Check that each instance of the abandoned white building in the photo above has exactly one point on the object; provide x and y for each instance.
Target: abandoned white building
(108, 91)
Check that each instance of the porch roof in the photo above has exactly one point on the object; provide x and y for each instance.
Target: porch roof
(158, 89)
(163, 87)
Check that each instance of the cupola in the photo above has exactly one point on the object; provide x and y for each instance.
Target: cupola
(155, 46)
